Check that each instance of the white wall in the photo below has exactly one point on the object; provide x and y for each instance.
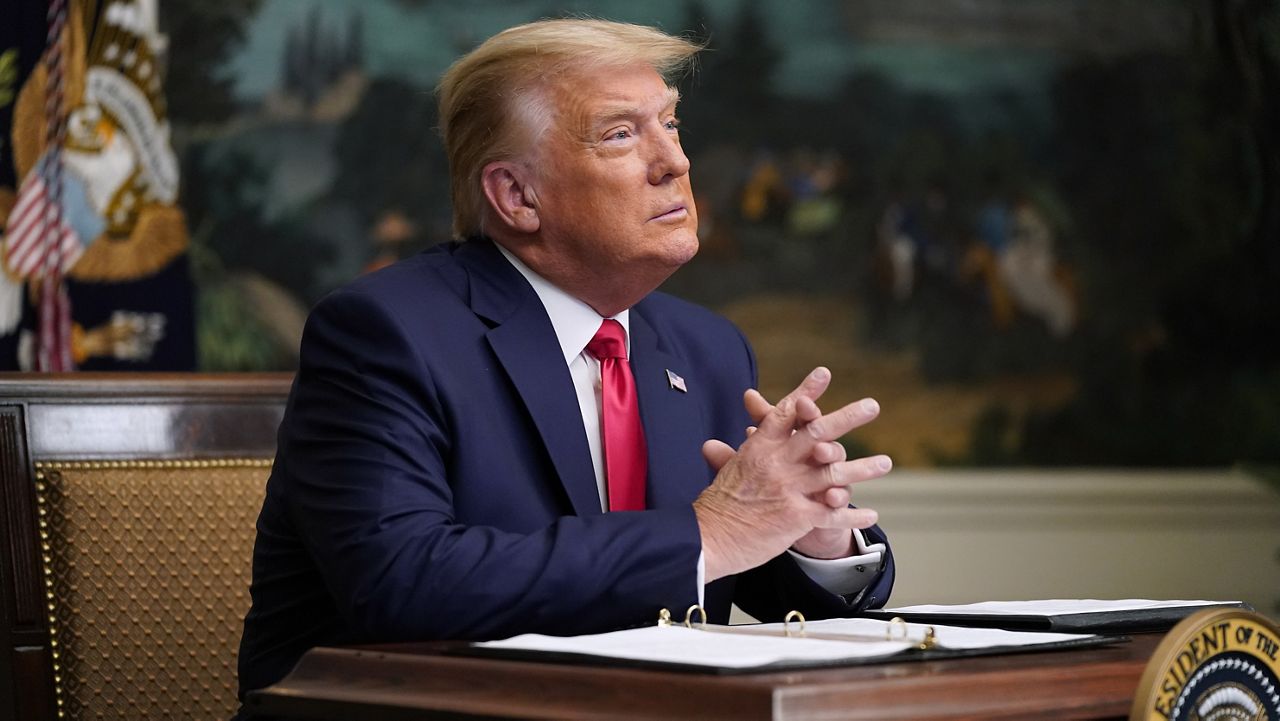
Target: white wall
(973, 535)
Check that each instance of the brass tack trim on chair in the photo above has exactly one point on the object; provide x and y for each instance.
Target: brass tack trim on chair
(46, 547)
(46, 568)
(185, 464)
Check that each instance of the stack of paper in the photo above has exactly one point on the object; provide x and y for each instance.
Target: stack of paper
(763, 647)
(1069, 615)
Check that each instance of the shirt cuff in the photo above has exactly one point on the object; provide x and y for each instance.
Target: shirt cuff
(843, 576)
(702, 578)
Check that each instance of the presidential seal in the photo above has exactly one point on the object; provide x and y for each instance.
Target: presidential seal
(1217, 665)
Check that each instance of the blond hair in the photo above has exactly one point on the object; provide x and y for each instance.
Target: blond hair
(490, 100)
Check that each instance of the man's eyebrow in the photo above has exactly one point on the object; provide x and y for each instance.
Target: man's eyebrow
(610, 113)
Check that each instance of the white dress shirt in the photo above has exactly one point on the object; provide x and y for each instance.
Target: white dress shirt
(575, 324)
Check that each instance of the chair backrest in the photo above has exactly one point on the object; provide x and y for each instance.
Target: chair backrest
(127, 509)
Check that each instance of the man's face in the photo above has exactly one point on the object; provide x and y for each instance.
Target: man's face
(612, 183)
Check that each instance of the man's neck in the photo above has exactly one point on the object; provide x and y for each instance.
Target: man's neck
(574, 321)
(608, 294)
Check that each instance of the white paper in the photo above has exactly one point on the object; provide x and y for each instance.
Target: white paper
(677, 644)
(718, 649)
(952, 637)
(1050, 607)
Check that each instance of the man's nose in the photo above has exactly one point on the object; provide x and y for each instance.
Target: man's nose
(668, 160)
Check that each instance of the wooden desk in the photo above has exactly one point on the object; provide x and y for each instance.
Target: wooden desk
(416, 682)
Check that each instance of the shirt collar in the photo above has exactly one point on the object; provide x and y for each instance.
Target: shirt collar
(575, 322)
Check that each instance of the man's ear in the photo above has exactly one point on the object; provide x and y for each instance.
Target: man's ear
(510, 199)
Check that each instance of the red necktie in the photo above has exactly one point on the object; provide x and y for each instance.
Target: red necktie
(625, 461)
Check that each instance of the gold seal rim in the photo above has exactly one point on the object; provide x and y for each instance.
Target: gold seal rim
(1178, 637)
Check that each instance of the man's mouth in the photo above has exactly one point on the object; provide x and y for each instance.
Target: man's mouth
(675, 212)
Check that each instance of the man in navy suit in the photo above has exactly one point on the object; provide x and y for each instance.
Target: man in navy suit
(441, 472)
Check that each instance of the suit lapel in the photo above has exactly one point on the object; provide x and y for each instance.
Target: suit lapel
(672, 421)
(526, 346)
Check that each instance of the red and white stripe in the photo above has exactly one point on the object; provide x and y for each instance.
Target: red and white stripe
(30, 222)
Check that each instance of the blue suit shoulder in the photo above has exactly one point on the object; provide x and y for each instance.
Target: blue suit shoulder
(429, 272)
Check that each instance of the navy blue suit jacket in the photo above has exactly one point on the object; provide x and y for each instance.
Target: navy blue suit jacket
(433, 480)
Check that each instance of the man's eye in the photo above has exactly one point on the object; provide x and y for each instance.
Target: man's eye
(673, 124)
(621, 134)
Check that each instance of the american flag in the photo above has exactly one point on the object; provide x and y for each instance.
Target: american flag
(26, 248)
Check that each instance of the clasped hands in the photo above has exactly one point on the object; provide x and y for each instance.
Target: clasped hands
(787, 486)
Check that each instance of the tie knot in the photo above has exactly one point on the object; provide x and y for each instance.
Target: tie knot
(609, 342)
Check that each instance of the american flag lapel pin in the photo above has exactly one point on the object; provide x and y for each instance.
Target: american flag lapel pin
(676, 382)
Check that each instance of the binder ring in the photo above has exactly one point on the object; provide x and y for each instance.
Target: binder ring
(896, 624)
(786, 623)
(664, 617)
(688, 616)
(930, 636)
